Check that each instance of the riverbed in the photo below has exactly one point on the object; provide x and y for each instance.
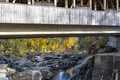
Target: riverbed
(63, 74)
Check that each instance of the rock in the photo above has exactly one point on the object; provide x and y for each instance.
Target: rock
(107, 49)
(10, 71)
(38, 58)
(23, 64)
(48, 57)
(3, 72)
(45, 71)
(83, 71)
(22, 61)
(2, 60)
(106, 66)
(27, 75)
(43, 63)
(62, 55)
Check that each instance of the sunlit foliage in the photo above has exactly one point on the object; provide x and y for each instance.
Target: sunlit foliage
(19, 47)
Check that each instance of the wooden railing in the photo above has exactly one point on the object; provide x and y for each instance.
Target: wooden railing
(92, 4)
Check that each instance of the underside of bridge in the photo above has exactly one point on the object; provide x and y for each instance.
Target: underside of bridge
(12, 30)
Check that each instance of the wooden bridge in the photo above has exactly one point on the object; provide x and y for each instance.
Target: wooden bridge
(20, 20)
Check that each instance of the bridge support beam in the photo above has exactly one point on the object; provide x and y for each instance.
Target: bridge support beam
(7, 1)
(29, 1)
(66, 3)
(33, 2)
(114, 41)
(117, 4)
(74, 3)
(55, 3)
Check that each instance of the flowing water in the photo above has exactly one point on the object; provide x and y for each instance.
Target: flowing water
(62, 75)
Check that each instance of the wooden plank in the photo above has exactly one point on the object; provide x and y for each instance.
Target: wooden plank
(49, 1)
(74, 3)
(112, 5)
(55, 2)
(101, 4)
(7, 1)
(117, 4)
(33, 2)
(95, 5)
(91, 4)
(29, 1)
(88, 3)
(66, 3)
(105, 5)
(81, 2)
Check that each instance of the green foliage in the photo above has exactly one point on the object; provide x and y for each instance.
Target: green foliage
(18, 47)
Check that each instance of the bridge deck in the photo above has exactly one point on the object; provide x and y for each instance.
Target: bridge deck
(19, 20)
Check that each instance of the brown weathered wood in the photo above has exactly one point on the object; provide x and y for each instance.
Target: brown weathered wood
(101, 5)
(29, 1)
(95, 5)
(74, 3)
(66, 3)
(111, 3)
(33, 2)
(104, 4)
(7, 1)
(55, 2)
(13, 1)
(88, 3)
(91, 4)
(117, 4)
(49, 1)
(81, 2)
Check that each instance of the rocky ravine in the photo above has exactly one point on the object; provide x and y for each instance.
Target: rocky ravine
(39, 67)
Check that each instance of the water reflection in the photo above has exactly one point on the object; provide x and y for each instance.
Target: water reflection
(62, 75)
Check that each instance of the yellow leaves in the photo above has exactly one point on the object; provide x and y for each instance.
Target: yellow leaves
(42, 44)
(20, 46)
(33, 42)
(69, 42)
(55, 47)
(1, 48)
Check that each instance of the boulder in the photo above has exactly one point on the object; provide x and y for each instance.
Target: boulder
(107, 49)
(83, 70)
(10, 71)
(106, 66)
(2, 60)
(45, 71)
(27, 75)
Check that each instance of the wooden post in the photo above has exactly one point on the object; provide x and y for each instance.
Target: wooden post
(33, 2)
(91, 4)
(49, 1)
(66, 3)
(107, 4)
(29, 1)
(104, 4)
(81, 2)
(95, 5)
(7, 1)
(55, 3)
(74, 3)
(117, 2)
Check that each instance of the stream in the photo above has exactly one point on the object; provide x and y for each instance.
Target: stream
(62, 74)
